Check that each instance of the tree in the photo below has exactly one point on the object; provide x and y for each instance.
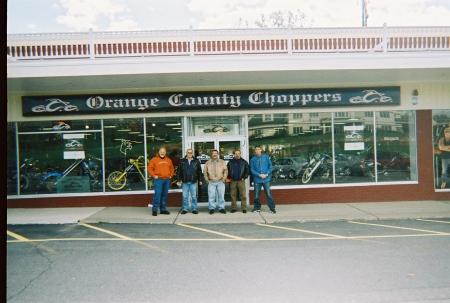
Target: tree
(284, 19)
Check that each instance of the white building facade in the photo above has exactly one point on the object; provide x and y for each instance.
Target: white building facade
(86, 111)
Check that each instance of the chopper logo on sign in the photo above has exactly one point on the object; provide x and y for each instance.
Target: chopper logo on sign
(53, 106)
(379, 97)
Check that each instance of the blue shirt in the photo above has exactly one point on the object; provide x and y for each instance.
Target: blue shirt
(261, 165)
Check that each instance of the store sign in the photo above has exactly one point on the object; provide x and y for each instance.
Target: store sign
(229, 100)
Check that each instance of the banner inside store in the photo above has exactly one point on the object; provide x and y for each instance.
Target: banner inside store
(227, 100)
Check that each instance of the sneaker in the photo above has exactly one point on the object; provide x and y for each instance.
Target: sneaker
(195, 212)
(211, 211)
(222, 211)
(184, 212)
(233, 211)
(244, 211)
(255, 210)
(273, 211)
(164, 212)
(154, 213)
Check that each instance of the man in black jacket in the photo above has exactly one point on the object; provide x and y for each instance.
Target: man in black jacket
(238, 170)
(188, 175)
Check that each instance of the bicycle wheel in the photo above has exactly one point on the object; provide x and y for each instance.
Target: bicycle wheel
(117, 180)
(150, 183)
(50, 183)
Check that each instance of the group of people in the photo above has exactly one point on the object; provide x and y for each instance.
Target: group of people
(216, 173)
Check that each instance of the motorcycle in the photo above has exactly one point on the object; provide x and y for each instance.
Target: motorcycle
(87, 168)
(322, 165)
(29, 175)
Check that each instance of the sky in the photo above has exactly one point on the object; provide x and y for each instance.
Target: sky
(48, 16)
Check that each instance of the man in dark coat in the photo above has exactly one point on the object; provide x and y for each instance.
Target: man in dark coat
(238, 171)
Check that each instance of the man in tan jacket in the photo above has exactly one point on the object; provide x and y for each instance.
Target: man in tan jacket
(215, 173)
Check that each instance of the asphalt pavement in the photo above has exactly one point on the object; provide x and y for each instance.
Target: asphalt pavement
(285, 213)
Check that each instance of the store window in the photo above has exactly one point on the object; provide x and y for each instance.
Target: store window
(396, 155)
(125, 154)
(375, 147)
(12, 176)
(131, 143)
(61, 156)
(441, 141)
(167, 133)
(353, 142)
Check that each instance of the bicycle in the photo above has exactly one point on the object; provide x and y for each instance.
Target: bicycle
(118, 179)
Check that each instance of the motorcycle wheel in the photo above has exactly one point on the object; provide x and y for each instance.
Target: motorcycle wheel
(114, 182)
(24, 182)
(306, 175)
(51, 182)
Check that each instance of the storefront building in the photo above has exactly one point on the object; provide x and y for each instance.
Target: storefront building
(86, 111)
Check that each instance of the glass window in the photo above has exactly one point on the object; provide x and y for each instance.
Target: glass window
(59, 125)
(441, 141)
(353, 142)
(396, 146)
(217, 126)
(125, 154)
(297, 145)
(166, 132)
(288, 140)
(11, 161)
(62, 160)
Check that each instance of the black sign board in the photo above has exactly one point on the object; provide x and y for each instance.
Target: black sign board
(227, 100)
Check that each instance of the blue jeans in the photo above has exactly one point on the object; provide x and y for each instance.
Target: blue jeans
(445, 164)
(192, 189)
(219, 189)
(161, 187)
(257, 201)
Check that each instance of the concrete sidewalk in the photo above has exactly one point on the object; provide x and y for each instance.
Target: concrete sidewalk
(285, 213)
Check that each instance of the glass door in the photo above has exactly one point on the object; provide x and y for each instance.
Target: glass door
(226, 147)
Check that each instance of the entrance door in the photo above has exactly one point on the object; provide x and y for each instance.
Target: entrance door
(226, 148)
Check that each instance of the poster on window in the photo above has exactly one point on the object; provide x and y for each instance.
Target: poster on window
(354, 137)
(215, 130)
(73, 146)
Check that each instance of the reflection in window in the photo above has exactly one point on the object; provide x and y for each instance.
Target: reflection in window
(292, 141)
(61, 161)
(441, 141)
(396, 146)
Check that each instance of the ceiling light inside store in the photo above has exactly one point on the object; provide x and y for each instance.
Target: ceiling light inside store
(134, 133)
(109, 126)
(124, 130)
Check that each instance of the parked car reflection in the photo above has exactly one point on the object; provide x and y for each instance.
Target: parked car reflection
(352, 165)
(289, 167)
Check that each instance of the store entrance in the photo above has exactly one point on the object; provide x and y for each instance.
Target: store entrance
(226, 147)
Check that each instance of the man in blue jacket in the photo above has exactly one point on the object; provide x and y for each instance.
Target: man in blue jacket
(261, 169)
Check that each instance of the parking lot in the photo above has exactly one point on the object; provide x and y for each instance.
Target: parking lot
(341, 261)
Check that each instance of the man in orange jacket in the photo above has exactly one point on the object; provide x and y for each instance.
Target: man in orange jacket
(161, 169)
